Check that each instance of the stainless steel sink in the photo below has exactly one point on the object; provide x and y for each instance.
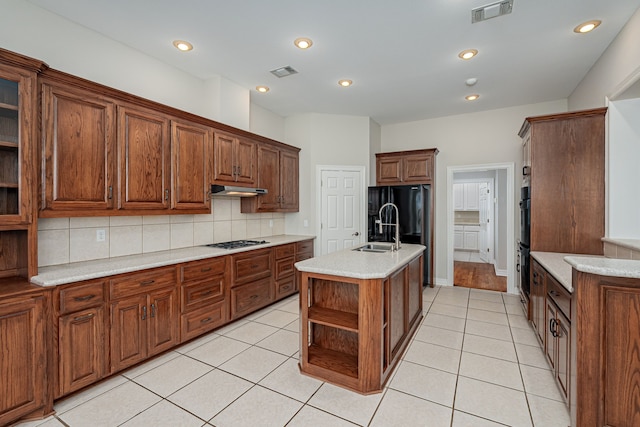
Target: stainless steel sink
(375, 247)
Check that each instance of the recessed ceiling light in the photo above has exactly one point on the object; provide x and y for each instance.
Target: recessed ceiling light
(468, 54)
(262, 89)
(182, 45)
(472, 97)
(585, 27)
(303, 42)
(345, 83)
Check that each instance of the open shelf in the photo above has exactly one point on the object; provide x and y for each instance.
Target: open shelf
(8, 185)
(8, 106)
(7, 144)
(339, 362)
(334, 318)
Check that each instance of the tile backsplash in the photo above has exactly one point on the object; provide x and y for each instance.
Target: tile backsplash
(66, 240)
(628, 250)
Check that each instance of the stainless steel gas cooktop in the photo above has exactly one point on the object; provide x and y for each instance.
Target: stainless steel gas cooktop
(234, 244)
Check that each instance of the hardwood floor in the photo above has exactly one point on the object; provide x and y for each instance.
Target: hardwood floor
(478, 276)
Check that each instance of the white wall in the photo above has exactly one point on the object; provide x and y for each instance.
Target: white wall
(266, 123)
(325, 139)
(623, 172)
(613, 71)
(375, 146)
(478, 138)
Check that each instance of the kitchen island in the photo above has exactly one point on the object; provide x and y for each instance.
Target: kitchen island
(358, 312)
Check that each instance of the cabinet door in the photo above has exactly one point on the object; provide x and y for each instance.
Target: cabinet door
(563, 363)
(245, 160)
(458, 197)
(417, 168)
(397, 311)
(191, 147)
(471, 240)
(128, 332)
(550, 330)
(79, 157)
(17, 124)
(458, 240)
(269, 178)
(144, 159)
(289, 181)
(388, 170)
(81, 350)
(22, 358)
(224, 168)
(415, 290)
(538, 300)
(163, 319)
(471, 196)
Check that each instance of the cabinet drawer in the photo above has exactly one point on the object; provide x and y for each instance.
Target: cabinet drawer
(251, 266)
(81, 296)
(195, 271)
(559, 295)
(302, 257)
(285, 250)
(133, 284)
(304, 246)
(285, 287)
(250, 297)
(202, 293)
(203, 320)
(284, 267)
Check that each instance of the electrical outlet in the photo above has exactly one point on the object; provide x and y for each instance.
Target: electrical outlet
(270, 223)
(305, 223)
(101, 235)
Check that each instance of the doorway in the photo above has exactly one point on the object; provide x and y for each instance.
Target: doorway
(480, 233)
(341, 207)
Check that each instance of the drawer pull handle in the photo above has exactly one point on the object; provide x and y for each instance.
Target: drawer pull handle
(84, 298)
(147, 282)
(204, 270)
(205, 293)
(85, 317)
(207, 320)
(253, 297)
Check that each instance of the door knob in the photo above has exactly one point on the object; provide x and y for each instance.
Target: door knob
(357, 233)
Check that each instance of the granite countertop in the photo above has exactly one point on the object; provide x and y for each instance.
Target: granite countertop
(361, 265)
(74, 272)
(561, 265)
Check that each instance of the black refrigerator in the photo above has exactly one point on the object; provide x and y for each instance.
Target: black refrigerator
(413, 202)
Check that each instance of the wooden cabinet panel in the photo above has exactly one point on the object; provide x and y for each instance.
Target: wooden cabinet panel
(128, 332)
(204, 319)
(250, 297)
(234, 159)
(144, 159)
(289, 181)
(563, 366)
(269, 178)
(284, 267)
(79, 149)
(414, 300)
(397, 311)
(567, 181)
(191, 146)
(549, 328)
(79, 297)
(202, 270)
(22, 357)
(286, 286)
(538, 292)
(405, 167)
(162, 320)
(195, 295)
(251, 266)
(142, 282)
(81, 351)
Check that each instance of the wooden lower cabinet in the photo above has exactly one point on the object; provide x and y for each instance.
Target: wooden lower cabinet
(23, 354)
(249, 297)
(81, 341)
(353, 331)
(537, 295)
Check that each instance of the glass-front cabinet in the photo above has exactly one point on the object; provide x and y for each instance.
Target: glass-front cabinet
(9, 148)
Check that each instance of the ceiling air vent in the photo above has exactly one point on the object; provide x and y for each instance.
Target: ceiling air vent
(284, 71)
(491, 11)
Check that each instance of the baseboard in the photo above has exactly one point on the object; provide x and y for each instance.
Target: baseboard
(499, 272)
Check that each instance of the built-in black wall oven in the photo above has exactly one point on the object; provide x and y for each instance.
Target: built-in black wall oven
(525, 237)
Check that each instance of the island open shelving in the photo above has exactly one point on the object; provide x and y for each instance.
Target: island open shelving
(354, 329)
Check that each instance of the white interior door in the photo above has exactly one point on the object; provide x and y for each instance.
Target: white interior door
(485, 226)
(341, 223)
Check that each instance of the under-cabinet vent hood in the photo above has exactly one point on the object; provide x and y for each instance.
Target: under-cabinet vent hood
(230, 190)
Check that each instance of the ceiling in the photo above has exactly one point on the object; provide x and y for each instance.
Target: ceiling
(402, 55)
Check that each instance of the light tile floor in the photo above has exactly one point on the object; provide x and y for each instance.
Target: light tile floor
(474, 361)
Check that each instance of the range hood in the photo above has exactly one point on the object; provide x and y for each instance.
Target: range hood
(230, 190)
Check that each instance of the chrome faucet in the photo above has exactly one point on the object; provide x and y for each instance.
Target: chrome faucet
(396, 246)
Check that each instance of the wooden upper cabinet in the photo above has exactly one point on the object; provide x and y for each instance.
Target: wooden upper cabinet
(234, 159)
(405, 167)
(278, 173)
(144, 158)
(191, 146)
(79, 150)
(567, 181)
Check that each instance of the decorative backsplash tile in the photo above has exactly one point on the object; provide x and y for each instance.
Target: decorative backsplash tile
(65, 240)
